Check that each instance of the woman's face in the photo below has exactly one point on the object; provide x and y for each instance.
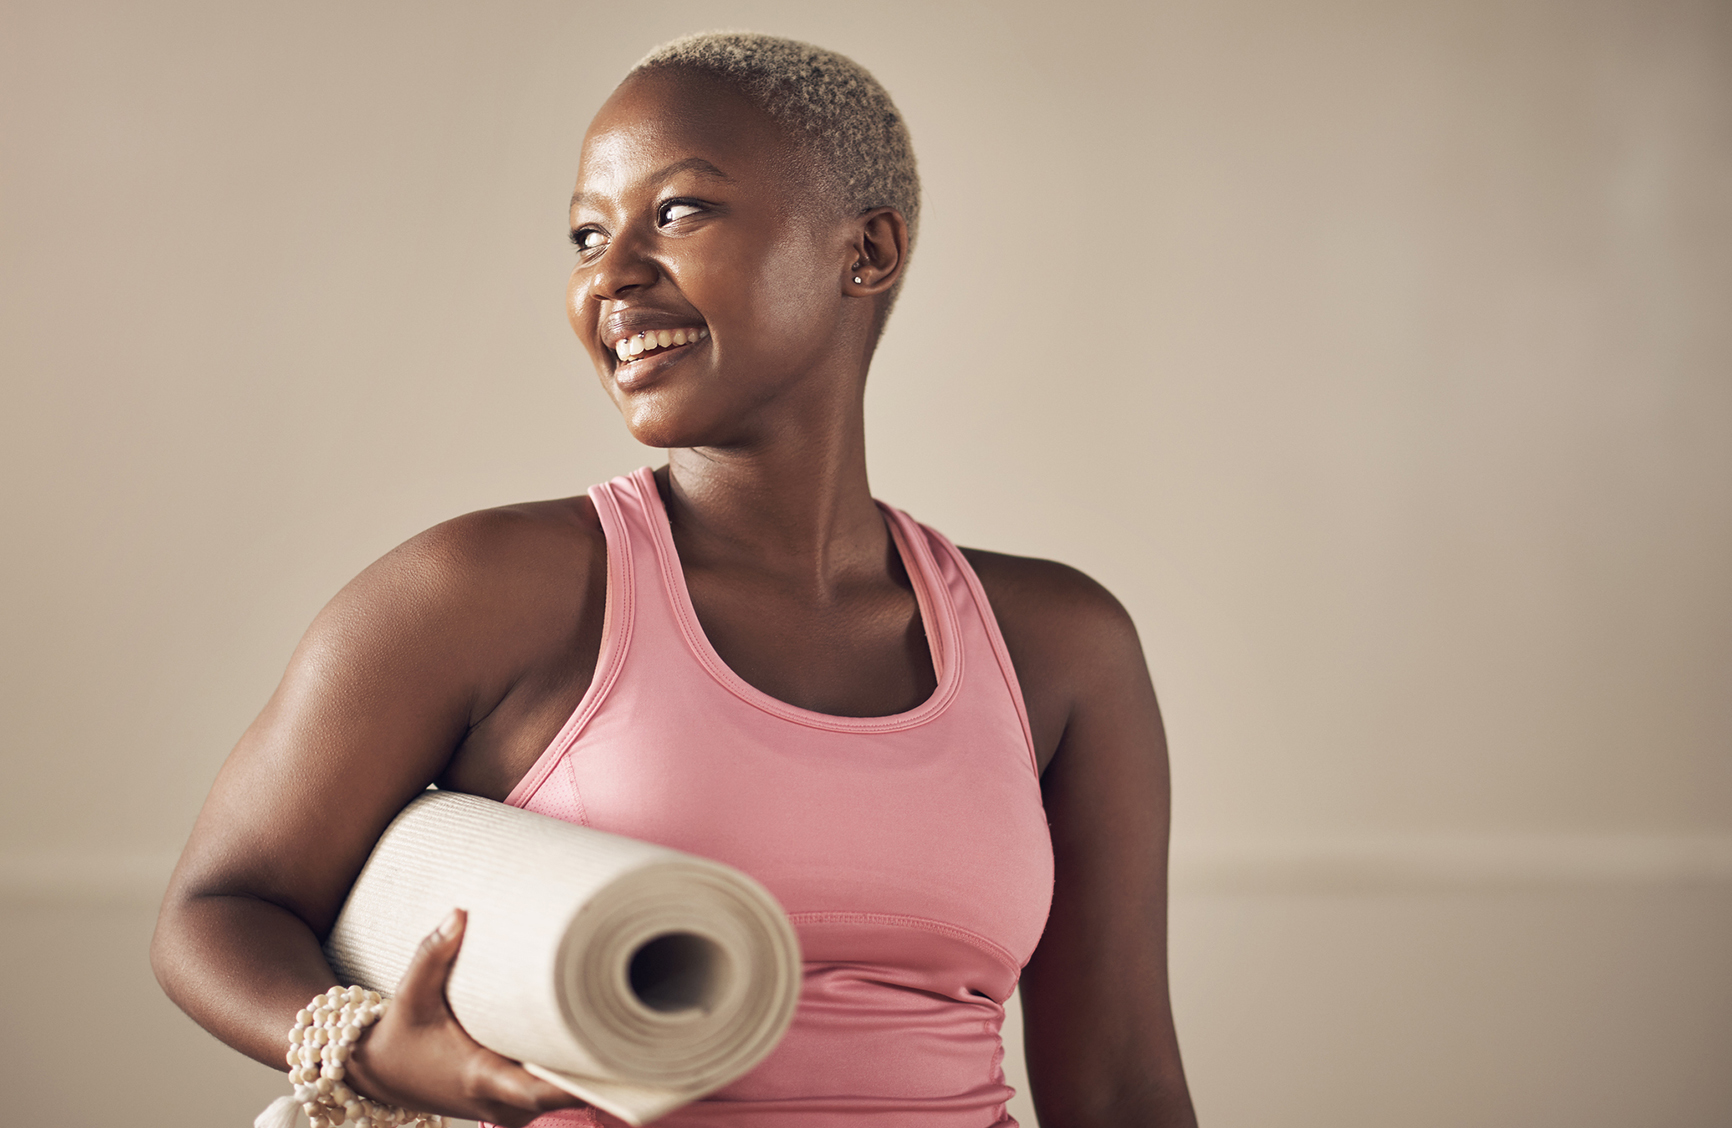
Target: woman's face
(706, 257)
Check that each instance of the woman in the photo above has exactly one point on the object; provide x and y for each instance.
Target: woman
(740, 654)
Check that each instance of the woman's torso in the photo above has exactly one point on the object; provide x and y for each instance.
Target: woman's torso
(910, 850)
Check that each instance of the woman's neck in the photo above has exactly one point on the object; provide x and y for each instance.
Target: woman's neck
(800, 507)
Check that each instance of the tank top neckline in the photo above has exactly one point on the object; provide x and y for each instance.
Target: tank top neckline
(931, 595)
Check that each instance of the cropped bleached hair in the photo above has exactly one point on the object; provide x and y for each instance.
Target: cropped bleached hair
(830, 104)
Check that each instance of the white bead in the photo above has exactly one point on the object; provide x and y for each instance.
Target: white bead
(325, 1031)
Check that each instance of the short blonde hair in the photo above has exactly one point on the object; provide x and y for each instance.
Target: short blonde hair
(831, 104)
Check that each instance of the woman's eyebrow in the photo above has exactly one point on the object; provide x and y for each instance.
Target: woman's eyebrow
(693, 164)
(690, 164)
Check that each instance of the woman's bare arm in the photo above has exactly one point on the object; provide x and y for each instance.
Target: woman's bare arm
(393, 687)
(1098, 1025)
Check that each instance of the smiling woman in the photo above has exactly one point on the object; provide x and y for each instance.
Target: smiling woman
(946, 764)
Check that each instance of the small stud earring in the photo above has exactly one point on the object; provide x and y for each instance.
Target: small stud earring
(857, 280)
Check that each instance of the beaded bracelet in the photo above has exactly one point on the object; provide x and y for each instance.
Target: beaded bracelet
(324, 1036)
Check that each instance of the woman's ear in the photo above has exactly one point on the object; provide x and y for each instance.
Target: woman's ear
(880, 247)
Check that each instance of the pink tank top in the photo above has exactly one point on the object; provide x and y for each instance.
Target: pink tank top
(910, 852)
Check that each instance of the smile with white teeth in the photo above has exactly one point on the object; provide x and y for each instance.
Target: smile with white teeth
(654, 340)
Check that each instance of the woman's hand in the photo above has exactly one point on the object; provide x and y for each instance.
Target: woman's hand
(418, 1056)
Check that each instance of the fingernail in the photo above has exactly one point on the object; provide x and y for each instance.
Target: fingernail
(449, 927)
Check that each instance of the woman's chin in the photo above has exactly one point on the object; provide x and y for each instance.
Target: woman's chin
(713, 412)
(663, 426)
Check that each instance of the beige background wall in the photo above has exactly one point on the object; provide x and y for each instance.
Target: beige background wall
(1378, 356)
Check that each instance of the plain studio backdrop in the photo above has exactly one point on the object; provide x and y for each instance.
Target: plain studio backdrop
(1378, 356)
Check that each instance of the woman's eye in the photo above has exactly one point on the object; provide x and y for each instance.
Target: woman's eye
(587, 239)
(676, 210)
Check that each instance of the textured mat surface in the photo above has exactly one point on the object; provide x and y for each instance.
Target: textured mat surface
(637, 977)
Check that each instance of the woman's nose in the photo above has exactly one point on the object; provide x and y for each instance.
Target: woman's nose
(625, 266)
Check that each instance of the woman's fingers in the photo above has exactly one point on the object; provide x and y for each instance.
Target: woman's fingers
(421, 993)
(419, 1050)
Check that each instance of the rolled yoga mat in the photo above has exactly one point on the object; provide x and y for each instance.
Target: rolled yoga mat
(634, 976)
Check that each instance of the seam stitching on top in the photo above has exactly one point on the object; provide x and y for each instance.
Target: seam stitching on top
(924, 924)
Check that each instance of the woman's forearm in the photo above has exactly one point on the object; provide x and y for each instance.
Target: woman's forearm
(241, 967)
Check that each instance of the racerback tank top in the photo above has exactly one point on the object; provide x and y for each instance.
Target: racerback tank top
(910, 852)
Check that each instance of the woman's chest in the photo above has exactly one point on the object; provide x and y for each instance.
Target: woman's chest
(941, 824)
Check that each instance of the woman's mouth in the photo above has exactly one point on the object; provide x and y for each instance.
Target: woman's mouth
(652, 342)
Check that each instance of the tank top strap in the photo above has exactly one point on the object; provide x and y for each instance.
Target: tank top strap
(976, 625)
(618, 626)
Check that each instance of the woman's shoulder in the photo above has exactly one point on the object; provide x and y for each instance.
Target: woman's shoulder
(509, 540)
(512, 577)
(1054, 601)
(1065, 633)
